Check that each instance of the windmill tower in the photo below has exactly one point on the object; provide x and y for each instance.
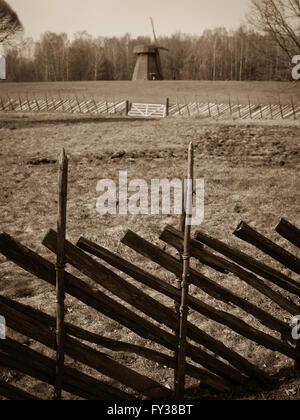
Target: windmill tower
(148, 63)
(2, 64)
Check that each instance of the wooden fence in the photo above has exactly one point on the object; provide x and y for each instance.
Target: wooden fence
(74, 105)
(198, 108)
(236, 111)
(209, 360)
(223, 372)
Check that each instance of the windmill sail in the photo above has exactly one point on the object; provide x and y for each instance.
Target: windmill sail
(153, 29)
(148, 65)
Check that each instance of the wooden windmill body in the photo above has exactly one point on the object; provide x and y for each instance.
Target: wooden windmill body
(148, 63)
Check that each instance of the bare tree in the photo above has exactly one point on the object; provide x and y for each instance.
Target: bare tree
(280, 19)
(9, 22)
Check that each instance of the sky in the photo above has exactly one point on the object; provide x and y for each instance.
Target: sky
(117, 17)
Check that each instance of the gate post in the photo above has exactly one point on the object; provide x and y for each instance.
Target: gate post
(127, 107)
(167, 106)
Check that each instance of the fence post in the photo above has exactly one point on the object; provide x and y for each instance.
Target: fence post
(20, 102)
(260, 109)
(46, 99)
(127, 107)
(280, 106)
(167, 106)
(37, 103)
(230, 107)
(250, 110)
(239, 105)
(198, 108)
(178, 283)
(179, 392)
(271, 111)
(60, 271)
(293, 107)
(78, 104)
(208, 105)
(218, 108)
(11, 104)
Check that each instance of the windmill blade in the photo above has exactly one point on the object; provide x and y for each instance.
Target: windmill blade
(154, 35)
(163, 48)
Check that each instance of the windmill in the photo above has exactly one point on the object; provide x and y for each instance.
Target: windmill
(148, 63)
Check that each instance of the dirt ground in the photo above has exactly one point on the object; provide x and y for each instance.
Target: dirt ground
(251, 173)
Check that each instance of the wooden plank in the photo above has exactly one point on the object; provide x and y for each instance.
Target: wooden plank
(133, 271)
(289, 232)
(86, 355)
(213, 289)
(15, 394)
(120, 346)
(107, 366)
(112, 282)
(23, 359)
(174, 237)
(43, 269)
(136, 273)
(161, 313)
(250, 235)
(250, 263)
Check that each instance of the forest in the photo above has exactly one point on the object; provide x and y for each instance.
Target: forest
(262, 49)
(216, 55)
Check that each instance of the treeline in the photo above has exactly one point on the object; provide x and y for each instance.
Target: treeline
(216, 55)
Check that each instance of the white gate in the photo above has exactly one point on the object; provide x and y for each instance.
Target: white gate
(147, 110)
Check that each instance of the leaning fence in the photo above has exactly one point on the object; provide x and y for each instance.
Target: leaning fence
(177, 108)
(74, 105)
(114, 295)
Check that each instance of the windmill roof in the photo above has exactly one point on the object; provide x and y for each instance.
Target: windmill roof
(145, 49)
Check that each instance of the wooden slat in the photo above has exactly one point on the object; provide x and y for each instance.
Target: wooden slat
(174, 237)
(43, 269)
(250, 235)
(119, 346)
(15, 394)
(150, 307)
(23, 359)
(213, 289)
(84, 354)
(250, 263)
(289, 232)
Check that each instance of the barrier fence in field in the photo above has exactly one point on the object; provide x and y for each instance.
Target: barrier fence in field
(198, 108)
(57, 104)
(208, 359)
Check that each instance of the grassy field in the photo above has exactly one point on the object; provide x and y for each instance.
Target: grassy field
(157, 92)
(251, 173)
